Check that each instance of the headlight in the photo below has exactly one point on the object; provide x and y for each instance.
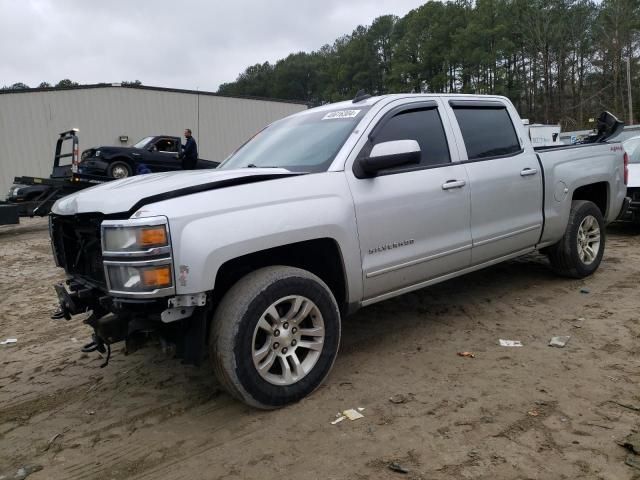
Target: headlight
(138, 277)
(143, 239)
(14, 191)
(126, 248)
(97, 154)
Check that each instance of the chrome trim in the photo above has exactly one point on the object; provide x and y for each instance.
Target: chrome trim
(136, 222)
(141, 253)
(417, 286)
(507, 235)
(411, 263)
(141, 263)
(158, 293)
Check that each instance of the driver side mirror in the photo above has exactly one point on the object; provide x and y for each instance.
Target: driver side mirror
(395, 153)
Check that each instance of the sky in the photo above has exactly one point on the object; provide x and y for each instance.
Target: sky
(193, 44)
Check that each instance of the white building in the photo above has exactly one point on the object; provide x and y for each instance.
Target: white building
(30, 121)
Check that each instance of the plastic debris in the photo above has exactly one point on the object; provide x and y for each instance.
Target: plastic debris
(396, 467)
(8, 341)
(352, 414)
(338, 420)
(466, 354)
(560, 341)
(585, 290)
(510, 343)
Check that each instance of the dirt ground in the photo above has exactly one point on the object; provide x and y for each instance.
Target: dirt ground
(534, 412)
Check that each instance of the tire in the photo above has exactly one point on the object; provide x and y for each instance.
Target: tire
(119, 169)
(586, 227)
(239, 345)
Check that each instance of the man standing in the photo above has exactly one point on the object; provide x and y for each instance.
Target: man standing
(189, 152)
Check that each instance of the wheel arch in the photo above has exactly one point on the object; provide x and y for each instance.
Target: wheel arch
(321, 256)
(597, 192)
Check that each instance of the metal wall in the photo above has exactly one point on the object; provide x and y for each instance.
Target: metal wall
(30, 122)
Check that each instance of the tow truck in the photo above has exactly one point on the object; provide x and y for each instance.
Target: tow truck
(34, 196)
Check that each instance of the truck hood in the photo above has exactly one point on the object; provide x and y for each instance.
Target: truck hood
(634, 175)
(129, 194)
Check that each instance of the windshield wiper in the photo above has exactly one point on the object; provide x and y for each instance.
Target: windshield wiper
(252, 165)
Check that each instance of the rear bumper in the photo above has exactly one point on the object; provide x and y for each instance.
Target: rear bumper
(632, 203)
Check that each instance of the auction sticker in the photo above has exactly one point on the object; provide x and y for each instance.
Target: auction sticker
(341, 114)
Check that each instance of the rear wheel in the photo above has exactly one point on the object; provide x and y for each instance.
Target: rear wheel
(580, 251)
(119, 170)
(275, 336)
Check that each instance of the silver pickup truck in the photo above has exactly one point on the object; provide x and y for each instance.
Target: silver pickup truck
(256, 263)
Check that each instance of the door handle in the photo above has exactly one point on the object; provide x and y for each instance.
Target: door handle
(453, 184)
(528, 172)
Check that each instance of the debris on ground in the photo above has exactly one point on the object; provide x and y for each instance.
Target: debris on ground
(533, 413)
(510, 343)
(53, 439)
(8, 341)
(401, 398)
(559, 341)
(585, 290)
(22, 473)
(625, 405)
(396, 467)
(466, 354)
(632, 443)
(351, 414)
(338, 420)
(633, 461)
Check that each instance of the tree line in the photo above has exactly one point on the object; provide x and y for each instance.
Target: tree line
(65, 83)
(559, 61)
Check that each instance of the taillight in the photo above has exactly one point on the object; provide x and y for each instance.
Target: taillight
(626, 168)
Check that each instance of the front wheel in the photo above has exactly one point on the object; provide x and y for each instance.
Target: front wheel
(119, 170)
(275, 336)
(580, 251)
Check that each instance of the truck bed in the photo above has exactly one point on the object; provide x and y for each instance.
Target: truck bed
(598, 164)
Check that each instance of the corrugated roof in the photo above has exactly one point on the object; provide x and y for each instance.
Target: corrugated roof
(147, 87)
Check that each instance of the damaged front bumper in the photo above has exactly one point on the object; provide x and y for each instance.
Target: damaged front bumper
(178, 323)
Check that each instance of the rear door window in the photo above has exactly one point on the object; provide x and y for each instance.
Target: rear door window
(487, 132)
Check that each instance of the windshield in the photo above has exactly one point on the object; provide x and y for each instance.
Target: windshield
(632, 147)
(143, 143)
(302, 143)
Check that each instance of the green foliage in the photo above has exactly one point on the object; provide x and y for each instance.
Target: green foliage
(134, 83)
(15, 86)
(557, 60)
(66, 83)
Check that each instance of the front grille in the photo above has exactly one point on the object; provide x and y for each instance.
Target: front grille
(76, 243)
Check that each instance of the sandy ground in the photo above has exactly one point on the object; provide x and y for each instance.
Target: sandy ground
(534, 412)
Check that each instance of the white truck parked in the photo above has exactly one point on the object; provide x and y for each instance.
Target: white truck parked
(335, 208)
